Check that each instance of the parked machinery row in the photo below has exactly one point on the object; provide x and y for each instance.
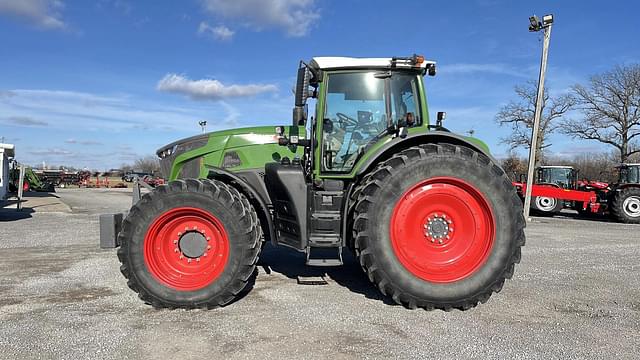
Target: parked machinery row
(557, 187)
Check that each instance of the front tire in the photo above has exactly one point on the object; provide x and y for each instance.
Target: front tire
(625, 206)
(438, 226)
(189, 244)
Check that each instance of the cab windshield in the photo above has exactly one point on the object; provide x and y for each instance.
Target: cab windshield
(360, 107)
(557, 176)
(630, 175)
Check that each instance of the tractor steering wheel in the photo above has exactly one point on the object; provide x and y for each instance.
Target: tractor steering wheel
(346, 119)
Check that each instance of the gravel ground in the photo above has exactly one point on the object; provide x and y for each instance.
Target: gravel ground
(575, 295)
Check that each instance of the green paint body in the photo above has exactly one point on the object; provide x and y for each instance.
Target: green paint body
(256, 146)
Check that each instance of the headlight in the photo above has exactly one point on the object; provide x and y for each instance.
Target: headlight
(168, 152)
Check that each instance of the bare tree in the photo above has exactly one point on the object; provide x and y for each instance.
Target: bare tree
(148, 164)
(514, 166)
(610, 103)
(519, 115)
(126, 168)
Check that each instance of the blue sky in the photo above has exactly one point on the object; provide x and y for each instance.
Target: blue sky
(97, 84)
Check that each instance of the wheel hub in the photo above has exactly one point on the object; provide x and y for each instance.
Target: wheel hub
(186, 248)
(545, 203)
(631, 206)
(192, 244)
(422, 229)
(438, 228)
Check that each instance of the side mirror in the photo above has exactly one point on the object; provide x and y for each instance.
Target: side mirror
(440, 118)
(302, 85)
(302, 94)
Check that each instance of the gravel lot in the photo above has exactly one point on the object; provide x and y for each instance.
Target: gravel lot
(575, 295)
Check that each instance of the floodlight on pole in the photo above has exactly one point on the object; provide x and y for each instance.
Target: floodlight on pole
(536, 25)
(203, 125)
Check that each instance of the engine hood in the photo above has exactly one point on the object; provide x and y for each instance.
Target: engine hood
(250, 135)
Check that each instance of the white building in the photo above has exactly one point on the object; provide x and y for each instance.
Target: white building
(6, 151)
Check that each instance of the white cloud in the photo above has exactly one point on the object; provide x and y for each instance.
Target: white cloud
(25, 121)
(43, 13)
(91, 112)
(219, 32)
(296, 17)
(51, 151)
(209, 89)
(83, 142)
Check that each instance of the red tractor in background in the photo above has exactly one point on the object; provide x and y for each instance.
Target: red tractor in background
(557, 187)
(624, 196)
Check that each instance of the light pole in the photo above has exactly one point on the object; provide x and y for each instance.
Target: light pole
(203, 125)
(536, 25)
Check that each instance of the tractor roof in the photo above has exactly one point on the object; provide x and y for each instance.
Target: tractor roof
(556, 167)
(331, 62)
(8, 149)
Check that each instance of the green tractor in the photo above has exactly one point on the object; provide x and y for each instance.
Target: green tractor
(430, 215)
(31, 181)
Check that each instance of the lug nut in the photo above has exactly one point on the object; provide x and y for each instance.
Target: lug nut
(175, 250)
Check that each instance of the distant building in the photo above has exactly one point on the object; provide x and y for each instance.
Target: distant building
(7, 151)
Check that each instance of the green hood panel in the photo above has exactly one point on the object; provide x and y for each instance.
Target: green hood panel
(247, 148)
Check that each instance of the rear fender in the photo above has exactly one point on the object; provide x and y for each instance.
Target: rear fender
(431, 137)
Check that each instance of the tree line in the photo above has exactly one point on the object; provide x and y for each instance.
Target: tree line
(606, 109)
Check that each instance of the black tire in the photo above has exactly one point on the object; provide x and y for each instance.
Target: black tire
(225, 203)
(381, 192)
(49, 187)
(546, 206)
(625, 205)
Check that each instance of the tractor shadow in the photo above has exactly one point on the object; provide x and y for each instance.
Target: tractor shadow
(291, 264)
(574, 215)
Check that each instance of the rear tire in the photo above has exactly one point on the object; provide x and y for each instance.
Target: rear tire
(546, 206)
(444, 186)
(625, 206)
(189, 244)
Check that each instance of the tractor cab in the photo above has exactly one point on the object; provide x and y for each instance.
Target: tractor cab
(629, 174)
(360, 101)
(565, 177)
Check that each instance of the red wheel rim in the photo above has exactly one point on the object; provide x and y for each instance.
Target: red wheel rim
(442, 230)
(170, 264)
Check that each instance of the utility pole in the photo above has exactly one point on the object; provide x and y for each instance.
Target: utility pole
(536, 25)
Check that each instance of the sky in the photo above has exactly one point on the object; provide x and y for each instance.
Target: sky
(101, 83)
